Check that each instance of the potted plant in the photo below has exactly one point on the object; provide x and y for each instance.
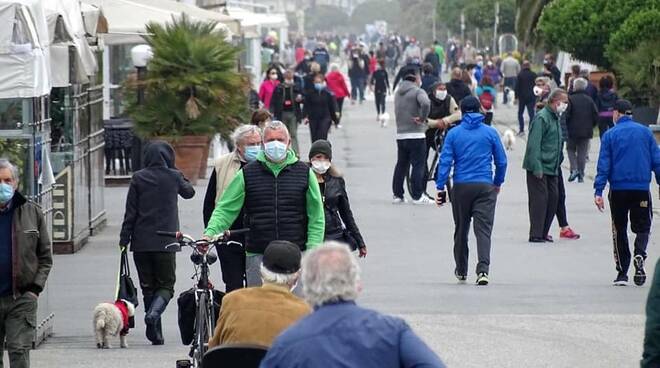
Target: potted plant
(193, 90)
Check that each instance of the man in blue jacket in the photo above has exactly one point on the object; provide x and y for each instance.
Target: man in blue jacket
(628, 155)
(471, 148)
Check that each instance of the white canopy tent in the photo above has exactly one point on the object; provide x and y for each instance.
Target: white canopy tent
(24, 50)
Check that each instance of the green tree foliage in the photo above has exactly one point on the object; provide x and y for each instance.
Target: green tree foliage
(639, 72)
(638, 27)
(325, 18)
(373, 10)
(192, 87)
(584, 27)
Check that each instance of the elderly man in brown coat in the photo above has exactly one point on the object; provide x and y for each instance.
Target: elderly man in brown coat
(257, 315)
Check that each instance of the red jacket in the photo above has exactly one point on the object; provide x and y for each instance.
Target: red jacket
(266, 91)
(372, 64)
(337, 84)
(121, 305)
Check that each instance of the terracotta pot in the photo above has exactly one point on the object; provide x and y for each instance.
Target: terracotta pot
(188, 151)
(205, 157)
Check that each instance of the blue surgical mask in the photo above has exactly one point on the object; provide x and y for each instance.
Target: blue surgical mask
(250, 153)
(275, 151)
(318, 86)
(6, 193)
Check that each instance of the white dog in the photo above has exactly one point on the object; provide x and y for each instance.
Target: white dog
(509, 139)
(384, 118)
(110, 320)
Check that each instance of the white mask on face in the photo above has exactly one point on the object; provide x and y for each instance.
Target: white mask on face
(320, 166)
(561, 108)
(441, 94)
(537, 90)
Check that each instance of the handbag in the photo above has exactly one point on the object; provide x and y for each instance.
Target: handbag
(125, 288)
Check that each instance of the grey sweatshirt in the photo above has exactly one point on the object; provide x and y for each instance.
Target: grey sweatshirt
(410, 102)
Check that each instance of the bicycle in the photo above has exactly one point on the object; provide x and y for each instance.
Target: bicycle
(431, 171)
(202, 258)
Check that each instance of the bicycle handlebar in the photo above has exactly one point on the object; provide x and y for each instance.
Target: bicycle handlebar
(174, 234)
(184, 239)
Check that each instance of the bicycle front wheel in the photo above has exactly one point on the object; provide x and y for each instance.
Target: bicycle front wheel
(202, 329)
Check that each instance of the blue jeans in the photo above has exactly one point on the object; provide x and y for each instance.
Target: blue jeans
(521, 110)
(357, 86)
(410, 152)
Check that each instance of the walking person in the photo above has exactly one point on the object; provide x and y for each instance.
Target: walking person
(525, 82)
(280, 198)
(486, 92)
(428, 77)
(581, 118)
(268, 86)
(151, 206)
(380, 84)
(605, 103)
(25, 262)
(337, 85)
(340, 224)
(411, 108)
(510, 69)
(286, 108)
(472, 149)
(358, 71)
(320, 110)
(433, 58)
(542, 164)
(628, 155)
(457, 87)
(247, 143)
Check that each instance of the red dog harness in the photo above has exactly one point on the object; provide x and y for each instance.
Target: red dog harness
(121, 305)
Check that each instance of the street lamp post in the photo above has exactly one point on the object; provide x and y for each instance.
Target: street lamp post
(140, 55)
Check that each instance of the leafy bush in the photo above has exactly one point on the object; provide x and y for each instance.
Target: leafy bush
(639, 73)
(638, 27)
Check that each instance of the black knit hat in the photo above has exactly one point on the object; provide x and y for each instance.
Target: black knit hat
(321, 146)
(623, 107)
(282, 256)
(470, 104)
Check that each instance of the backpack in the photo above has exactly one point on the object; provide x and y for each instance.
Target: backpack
(486, 100)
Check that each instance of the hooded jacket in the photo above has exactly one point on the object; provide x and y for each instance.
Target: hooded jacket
(628, 155)
(472, 148)
(151, 204)
(458, 90)
(605, 103)
(410, 102)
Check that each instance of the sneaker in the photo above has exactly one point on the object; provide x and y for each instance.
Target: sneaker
(461, 278)
(568, 233)
(574, 175)
(398, 200)
(621, 280)
(339, 126)
(549, 239)
(482, 279)
(640, 274)
(424, 199)
(581, 178)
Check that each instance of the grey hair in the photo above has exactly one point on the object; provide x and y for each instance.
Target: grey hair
(580, 84)
(554, 95)
(6, 164)
(543, 79)
(270, 277)
(242, 132)
(334, 66)
(276, 125)
(330, 273)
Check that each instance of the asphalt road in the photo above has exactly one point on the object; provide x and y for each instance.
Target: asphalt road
(549, 305)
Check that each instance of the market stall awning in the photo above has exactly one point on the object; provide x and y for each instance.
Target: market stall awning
(127, 18)
(251, 19)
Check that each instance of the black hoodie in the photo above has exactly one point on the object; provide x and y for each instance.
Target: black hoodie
(458, 90)
(151, 204)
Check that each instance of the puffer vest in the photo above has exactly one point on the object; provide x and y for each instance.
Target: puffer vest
(275, 207)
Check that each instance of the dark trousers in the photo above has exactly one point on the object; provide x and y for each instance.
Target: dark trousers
(380, 102)
(543, 196)
(340, 109)
(473, 201)
(637, 205)
(18, 318)
(509, 84)
(410, 152)
(488, 118)
(232, 264)
(604, 123)
(562, 219)
(319, 129)
(577, 149)
(522, 105)
(157, 273)
(357, 88)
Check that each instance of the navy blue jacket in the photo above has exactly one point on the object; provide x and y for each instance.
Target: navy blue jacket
(345, 335)
(472, 147)
(628, 155)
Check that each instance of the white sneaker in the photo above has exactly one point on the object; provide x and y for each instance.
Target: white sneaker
(383, 124)
(339, 126)
(424, 199)
(398, 200)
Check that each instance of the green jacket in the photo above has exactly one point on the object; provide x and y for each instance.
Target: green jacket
(31, 249)
(232, 200)
(651, 356)
(544, 144)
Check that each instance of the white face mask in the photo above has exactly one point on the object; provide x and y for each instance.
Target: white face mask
(320, 166)
(537, 90)
(561, 108)
(441, 94)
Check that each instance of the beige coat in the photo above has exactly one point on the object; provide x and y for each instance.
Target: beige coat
(257, 315)
(226, 167)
